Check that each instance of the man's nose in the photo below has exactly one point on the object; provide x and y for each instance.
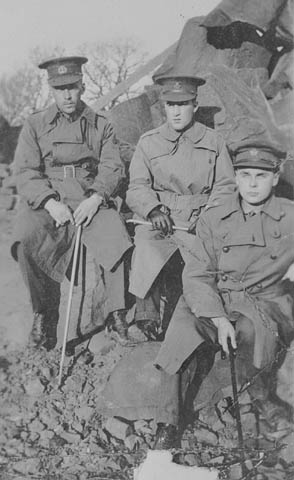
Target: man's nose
(252, 182)
(67, 93)
(176, 109)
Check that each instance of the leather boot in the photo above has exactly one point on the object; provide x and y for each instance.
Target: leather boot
(117, 326)
(166, 437)
(38, 336)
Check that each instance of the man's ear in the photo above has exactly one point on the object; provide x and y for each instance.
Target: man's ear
(83, 88)
(196, 106)
(276, 178)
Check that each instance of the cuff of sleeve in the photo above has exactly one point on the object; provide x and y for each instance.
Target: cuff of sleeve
(103, 195)
(42, 199)
(150, 208)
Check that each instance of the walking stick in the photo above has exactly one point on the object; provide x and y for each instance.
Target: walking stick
(143, 222)
(69, 302)
(232, 355)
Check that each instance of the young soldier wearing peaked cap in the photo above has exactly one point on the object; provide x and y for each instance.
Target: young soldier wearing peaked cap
(177, 171)
(234, 288)
(234, 285)
(67, 167)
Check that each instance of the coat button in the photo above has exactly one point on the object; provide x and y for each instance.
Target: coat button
(224, 277)
(273, 256)
(276, 234)
(259, 285)
(226, 249)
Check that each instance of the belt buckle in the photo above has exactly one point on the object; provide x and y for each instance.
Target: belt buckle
(71, 169)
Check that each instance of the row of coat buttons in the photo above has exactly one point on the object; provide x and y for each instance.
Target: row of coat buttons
(224, 278)
(227, 249)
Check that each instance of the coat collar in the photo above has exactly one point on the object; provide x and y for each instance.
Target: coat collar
(271, 208)
(195, 133)
(52, 114)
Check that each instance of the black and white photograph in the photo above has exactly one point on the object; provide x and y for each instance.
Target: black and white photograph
(147, 240)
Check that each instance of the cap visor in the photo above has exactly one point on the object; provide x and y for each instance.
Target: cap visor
(177, 97)
(256, 165)
(64, 80)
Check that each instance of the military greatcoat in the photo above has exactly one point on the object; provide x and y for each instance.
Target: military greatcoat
(237, 266)
(184, 171)
(48, 143)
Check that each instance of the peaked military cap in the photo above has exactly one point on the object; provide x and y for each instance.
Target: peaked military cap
(64, 70)
(179, 87)
(258, 154)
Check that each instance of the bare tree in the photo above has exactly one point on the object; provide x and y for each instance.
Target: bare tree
(109, 64)
(26, 90)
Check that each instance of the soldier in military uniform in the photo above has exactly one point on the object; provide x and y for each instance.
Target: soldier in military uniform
(234, 288)
(177, 171)
(68, 169)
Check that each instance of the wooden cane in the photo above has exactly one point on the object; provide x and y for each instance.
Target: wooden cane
(72, 281)
(143, 222)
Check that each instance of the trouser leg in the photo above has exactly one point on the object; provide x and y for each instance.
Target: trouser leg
(111, 303)
(147, 316)
(193, 372)
(246, 371)
(45, 298)
(261, 382)
(148, 308)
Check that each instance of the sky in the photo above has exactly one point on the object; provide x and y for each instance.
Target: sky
(155, 24)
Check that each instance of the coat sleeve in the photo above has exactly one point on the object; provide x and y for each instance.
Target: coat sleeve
(141, 198)
(111, 170)
(199, 275)
(224, 178)
(31, 184)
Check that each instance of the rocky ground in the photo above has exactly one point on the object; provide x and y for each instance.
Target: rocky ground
(53, 432)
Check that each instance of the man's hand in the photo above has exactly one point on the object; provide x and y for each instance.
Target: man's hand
(59, 212)
(225, 330)
(87, 209)
(161, 221)
(192, 227)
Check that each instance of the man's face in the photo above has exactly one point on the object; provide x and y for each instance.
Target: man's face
(68, 97)
(179, 114)
(255, 185)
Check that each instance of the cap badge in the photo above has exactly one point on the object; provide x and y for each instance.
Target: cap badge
(178, 86)
(253, 152)
(62, 70)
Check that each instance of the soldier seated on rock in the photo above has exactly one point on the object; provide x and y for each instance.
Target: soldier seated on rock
(234, 289)
(177, 171)
(67, 168)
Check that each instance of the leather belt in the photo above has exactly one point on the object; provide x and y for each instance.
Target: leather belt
(68, 171)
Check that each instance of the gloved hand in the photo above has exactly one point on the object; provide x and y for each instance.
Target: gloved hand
(192, 226)
(59, 212)
(87, 209)
(161, 221)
